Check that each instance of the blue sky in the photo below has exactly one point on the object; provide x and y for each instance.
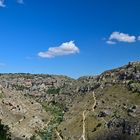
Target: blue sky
(69, 37)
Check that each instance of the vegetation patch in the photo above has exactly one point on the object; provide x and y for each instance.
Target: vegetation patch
(20, 87)
(57, 113)
(1, 94)
(53, 90)
(4, 132)
(134, 86)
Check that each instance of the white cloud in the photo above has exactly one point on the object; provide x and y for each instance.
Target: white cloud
(138, 38)
(110, 42)
(64, 49)
(122, 37)
(2, 3)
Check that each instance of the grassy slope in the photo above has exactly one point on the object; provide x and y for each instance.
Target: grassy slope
(115, 100)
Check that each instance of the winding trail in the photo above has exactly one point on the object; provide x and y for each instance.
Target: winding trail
(95, 102)
(85, 113)
(84, 126)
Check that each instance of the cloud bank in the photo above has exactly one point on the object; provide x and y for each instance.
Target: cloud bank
(66, 48)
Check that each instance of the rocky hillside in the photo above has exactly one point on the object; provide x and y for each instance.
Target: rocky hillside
(51, 107)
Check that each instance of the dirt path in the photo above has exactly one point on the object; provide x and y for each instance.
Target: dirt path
(95, 102)
(58, 134)
(21, 120)
(84, 125)
(85, 113)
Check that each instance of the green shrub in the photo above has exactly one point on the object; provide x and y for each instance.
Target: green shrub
(4, 132)
(1, 94)
(53, 90)
(135, 87)
(20, 87)
(33, 137)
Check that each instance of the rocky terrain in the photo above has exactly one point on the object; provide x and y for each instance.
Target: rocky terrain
(52, 107)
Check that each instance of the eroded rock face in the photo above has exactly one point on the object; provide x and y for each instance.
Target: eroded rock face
(23, 116)
(125, 126)
(123, 129)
